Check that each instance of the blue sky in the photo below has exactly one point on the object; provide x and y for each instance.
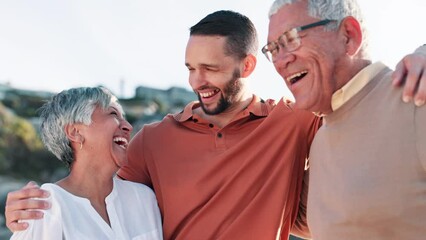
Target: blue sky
(54, 45)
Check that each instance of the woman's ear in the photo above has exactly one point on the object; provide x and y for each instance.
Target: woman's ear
(351, 29)
(249, 65)
(73, 133)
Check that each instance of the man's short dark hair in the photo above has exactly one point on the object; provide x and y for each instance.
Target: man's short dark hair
(239, 30)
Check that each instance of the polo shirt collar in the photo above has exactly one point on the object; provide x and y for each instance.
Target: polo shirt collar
(257, 107)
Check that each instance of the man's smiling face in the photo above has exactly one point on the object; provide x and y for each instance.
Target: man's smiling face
(310, 70)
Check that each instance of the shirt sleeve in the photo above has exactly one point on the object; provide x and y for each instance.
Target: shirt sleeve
(136, 168)
(300, 227)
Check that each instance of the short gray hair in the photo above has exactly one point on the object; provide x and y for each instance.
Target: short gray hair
(75, 105)
(330, 9)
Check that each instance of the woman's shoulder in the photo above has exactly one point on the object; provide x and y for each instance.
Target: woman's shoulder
(53, 189)
(49, 187)
(56, 191)
(128, 186)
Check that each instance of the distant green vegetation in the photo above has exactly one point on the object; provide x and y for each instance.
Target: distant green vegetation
(22, 154)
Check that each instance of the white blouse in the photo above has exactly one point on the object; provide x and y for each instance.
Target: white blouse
(132, 209)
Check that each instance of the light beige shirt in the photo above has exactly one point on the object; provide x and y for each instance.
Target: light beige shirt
(368, 165)
(355, 85)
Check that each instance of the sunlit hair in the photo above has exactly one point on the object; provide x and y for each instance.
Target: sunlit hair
(330, 9)
(75, 105)
(239, 30)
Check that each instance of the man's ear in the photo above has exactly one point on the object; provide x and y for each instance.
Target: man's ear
(249, 65)
(351, 30)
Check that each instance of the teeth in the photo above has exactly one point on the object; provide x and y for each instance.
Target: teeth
(295, 75)
(208, 94)
(121, 141)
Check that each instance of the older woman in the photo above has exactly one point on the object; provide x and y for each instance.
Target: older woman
(86, 129)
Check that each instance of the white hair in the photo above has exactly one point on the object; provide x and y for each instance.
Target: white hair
(329, 9)
(75, 105)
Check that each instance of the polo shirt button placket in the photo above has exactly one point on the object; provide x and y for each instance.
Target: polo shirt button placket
(220, 140)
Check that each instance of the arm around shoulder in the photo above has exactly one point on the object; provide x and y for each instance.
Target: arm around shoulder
(409, 72)
(47, 228)
(21, 205)
(136, 169)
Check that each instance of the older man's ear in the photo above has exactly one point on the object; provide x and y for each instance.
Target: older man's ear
(351, 30)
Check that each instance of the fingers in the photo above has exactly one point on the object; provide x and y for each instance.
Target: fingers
(420, 98)
(15, 226)
(20, 205)
(28, 191)
(14, 219)
(399, 74)
(411, 72)
(411, 81)
(31, 184)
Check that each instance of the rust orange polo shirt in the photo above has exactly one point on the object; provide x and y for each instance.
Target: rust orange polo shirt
(242, 181)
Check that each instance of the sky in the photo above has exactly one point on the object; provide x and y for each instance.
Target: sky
(52, 45)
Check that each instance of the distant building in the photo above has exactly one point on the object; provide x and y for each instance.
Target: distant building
(3, 89)
(7, 91)
(173, 96)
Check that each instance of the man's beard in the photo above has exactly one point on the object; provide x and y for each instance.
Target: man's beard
(228, 95)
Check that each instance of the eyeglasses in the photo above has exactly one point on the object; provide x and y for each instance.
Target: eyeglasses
(289, 40)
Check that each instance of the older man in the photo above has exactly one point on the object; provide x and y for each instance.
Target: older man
(368, 160)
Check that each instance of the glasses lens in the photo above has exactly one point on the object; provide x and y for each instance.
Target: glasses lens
(269, 50)
(290, 40)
